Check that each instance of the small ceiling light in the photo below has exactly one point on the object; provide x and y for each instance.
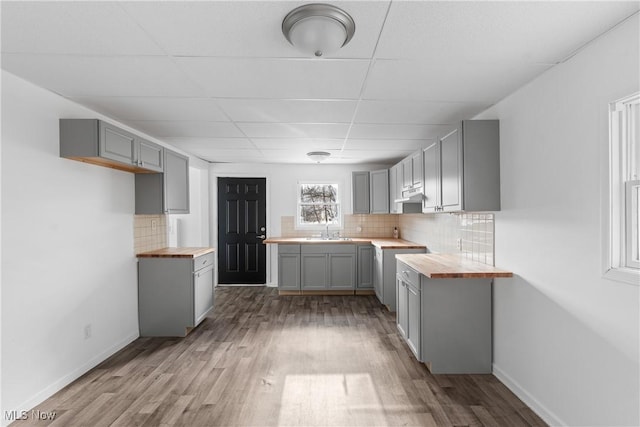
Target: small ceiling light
(318, 29)
(318, 156)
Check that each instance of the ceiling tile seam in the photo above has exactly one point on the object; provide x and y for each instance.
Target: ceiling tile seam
(366, 77)
(272, 58)
(186, 75)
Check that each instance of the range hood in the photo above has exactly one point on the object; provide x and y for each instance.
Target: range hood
(413, 195)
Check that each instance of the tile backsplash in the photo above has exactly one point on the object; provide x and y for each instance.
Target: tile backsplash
(149, 232)
(439, 232)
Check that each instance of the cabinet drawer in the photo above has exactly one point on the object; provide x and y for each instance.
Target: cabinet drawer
(288, 249)
(203, 261)
(328, 249)
(408, 274)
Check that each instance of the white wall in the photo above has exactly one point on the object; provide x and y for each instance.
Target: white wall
(67, 249)
(194, 227)
(566, 340)
(281, 193)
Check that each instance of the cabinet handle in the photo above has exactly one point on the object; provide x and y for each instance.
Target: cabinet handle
(405, 272)
(204, 261)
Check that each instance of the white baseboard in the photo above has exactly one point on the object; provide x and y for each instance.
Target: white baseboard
(58, 385)
(533, 403)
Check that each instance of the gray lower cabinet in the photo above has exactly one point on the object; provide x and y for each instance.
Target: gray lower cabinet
(462, 169)
(365, 267)
(164, 193)
(328, 267)
(289, 267)
(101, 143)
(384, 279)
(174, 294)
(446, 322)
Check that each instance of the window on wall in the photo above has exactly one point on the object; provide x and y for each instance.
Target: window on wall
(318, 204)
(623, 257)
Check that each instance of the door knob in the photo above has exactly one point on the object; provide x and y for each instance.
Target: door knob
(262, 236)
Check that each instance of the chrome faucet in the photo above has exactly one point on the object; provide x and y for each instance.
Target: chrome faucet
(327, 232)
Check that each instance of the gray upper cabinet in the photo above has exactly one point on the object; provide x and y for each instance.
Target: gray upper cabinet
(164, 193)
(412, 171)
(462, 169)
(100, 143)
(360, 192)
(379, 191)
(393, 189)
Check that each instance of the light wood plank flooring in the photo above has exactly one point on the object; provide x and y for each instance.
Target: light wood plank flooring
(265, 360)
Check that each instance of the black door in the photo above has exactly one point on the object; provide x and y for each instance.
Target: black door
(242, 257)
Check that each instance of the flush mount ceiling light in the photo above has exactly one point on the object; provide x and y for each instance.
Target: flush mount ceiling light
(318, 29)
(318, 156)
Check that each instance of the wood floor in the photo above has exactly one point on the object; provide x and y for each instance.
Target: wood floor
(265, 360)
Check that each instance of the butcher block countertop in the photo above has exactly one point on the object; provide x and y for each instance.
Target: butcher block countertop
(176, 253)
(375, 241)
(450, 266)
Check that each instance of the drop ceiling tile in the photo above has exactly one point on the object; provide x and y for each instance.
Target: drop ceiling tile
(304, 144)
(416, 112)
(452, 82)
(190, 143)
(244, 29)
(156, 108)
(365, 156)
(511, 32)
(289, 111)
(90, 28)
(398, 131)
(294, 130)
(85, 76)
(167, 128)
(404, 145)
(216, 155)
(277, 78)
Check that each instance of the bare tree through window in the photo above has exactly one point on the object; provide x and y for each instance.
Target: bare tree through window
(318, 204)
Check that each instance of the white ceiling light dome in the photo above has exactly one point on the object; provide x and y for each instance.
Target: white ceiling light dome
(318, 156)
(318, 29)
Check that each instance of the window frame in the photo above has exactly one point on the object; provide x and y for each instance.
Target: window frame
(299, 225)
(624, 147)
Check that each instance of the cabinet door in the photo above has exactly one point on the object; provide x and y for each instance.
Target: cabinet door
(407, 173)
(393, 189)
(365, 267)
(203, 294)
(149, 155)
(431, 156)
(379, 191)
(416, 169)
(378, 274)
(342, 271)
(176, 183)
(451, 171)
(116, 144)
(289, 271)
(402, 313)
(360, 192)
(313, 271)
(413, 320)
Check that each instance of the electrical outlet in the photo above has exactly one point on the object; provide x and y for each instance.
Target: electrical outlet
(87, 331)
(459, 243)
(154, 225)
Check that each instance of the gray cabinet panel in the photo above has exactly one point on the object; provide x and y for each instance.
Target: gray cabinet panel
(414, 319)
(313, 271)
(342, 271)
(176, 183)
(365, 267)
(393, 189)
(407, 173)
(378, 274)
(451, 171)
(172, 297)
(360, 192)
(416, 169)
(402, 313)
(289, 271)
(385, 276)
(164, 193)
(431, 178)
(456, 325)
(150, 155)
(379, 191)
(116, 144)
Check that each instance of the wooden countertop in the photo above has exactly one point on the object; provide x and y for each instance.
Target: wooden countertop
(378, 242)
(176, 253)
(450, 266)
